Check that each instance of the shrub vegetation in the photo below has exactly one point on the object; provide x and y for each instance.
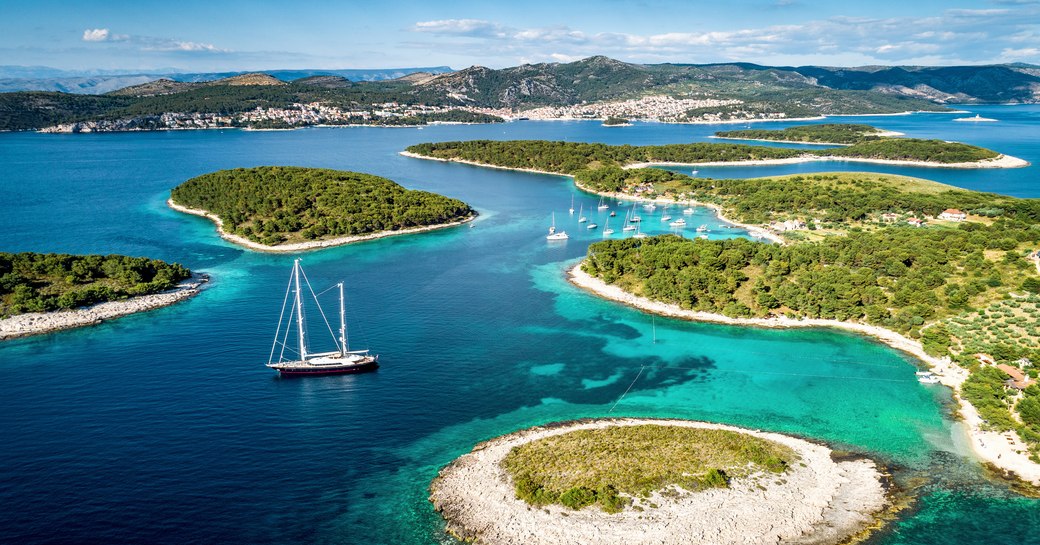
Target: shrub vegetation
(31, 282)
(609, 466)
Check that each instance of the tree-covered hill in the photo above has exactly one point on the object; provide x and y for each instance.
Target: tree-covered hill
(572, 157)
(31, 282)
(829, 133)
(277, 205)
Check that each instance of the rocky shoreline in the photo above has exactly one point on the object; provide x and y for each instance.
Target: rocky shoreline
(1000, 161)
(305, 246)
(820, 500)
(1002, 450)
(36, 323)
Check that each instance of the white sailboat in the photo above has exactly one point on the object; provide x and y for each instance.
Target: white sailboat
(602, 205)
(607, 231)
(339, 361)
(634, 218)
(581, 214)
(678, 223)
(628, 226)
(572, 205)
(553, 234)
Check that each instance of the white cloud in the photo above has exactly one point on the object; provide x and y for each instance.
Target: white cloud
(149, 43)
(460, 27)
(95, 35)
(952, 36)
(175, 45)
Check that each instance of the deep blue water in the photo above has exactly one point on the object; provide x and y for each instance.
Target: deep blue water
(165, 427)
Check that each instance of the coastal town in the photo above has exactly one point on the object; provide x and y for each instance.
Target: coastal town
(296, 115)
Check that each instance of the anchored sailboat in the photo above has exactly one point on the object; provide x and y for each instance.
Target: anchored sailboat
(340, 361)
(553, 235)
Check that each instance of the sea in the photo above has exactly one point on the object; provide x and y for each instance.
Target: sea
(166, 427)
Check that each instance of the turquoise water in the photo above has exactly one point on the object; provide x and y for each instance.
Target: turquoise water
(166, 428)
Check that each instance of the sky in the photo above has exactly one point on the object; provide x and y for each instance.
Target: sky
(216, 35)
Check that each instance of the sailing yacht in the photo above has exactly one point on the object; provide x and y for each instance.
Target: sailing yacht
(628, 226)
(553, 235)
(607, 231)
(635, 217)
(602, 205)
(572, 205)
(581, 214)
(340, 361)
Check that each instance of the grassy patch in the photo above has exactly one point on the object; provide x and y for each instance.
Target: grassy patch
(603, 466)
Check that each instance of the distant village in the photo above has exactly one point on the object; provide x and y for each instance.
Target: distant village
(296, 115)
(649, 108)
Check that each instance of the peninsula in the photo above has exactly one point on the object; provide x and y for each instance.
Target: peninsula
(290, 209)
(620, 481)
(40, 293)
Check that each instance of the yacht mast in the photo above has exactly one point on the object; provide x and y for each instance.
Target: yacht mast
(299, 310)
(342, 322)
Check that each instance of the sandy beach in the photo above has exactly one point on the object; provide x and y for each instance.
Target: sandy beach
(817, 501)
(1003, 450)
(305, 246)
(35, 323)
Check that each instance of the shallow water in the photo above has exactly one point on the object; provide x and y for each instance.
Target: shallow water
(166, 428)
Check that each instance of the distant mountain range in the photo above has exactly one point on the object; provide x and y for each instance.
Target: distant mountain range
(96, 82)
(600, 78)
(585, 88)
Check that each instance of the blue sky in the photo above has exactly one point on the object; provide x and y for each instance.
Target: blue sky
(219, 35)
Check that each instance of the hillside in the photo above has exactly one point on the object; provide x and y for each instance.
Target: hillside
(964, 84)
(21, 78)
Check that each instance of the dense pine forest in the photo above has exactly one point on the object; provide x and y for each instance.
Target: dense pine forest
(829, 133)
(570, 157)
(278, 205)
(31, 282)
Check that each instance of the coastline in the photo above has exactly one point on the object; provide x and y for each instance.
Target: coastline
(882, 134)
(36, 323)
(1000, 161)
(311, 245)
(819, 500)
(991, 447)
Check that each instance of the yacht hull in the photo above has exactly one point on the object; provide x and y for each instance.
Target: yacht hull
(296, 369)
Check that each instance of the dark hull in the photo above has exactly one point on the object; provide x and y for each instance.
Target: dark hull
(330, 370)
